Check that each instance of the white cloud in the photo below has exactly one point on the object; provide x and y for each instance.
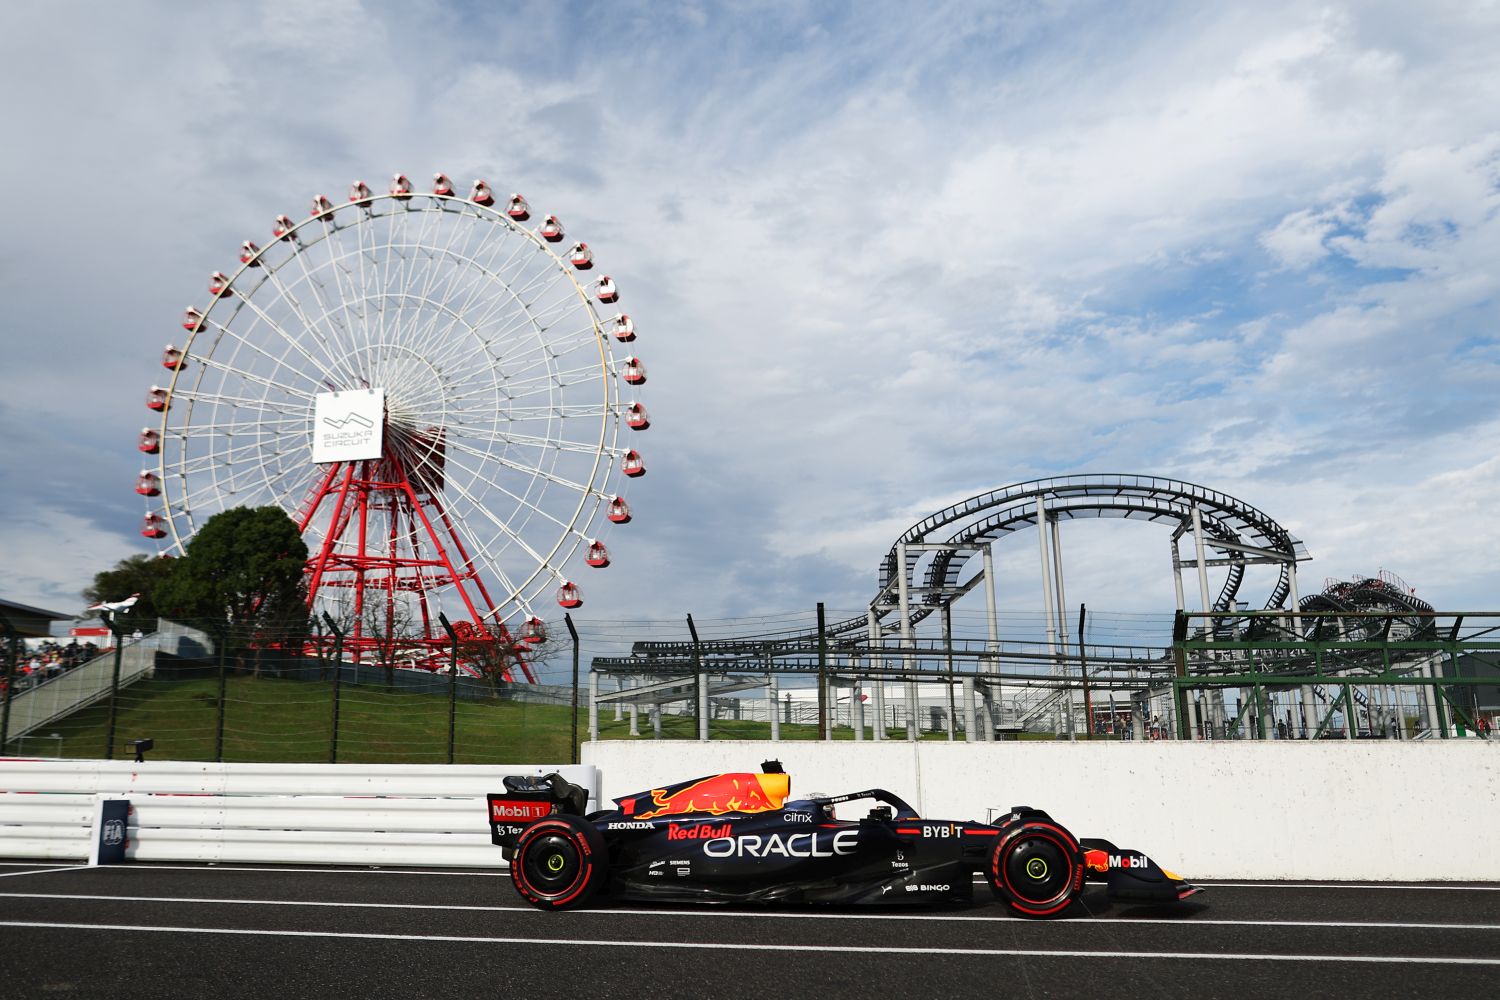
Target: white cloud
(51, 555)
(1297, 240)
(865, 271)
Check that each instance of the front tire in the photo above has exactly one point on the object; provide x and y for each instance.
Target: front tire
(559, 863)
(1036, 869)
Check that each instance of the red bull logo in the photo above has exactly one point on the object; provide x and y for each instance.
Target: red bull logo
(716, 795)
(703, 831)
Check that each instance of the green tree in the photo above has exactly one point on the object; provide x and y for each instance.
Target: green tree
(242, 579)
(491, 658)
(138, 574)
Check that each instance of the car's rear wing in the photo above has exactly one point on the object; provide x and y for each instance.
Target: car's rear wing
(527, 799)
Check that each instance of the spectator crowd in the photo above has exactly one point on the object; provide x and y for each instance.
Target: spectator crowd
(42, 662)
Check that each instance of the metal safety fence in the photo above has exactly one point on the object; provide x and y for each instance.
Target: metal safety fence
(189, 692)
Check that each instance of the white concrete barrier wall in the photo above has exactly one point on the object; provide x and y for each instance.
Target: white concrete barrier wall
(378, 814)
(1326, 810)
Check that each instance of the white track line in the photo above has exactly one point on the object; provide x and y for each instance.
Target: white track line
(1345, 885)
(209, 866)
(504, 873)
(981, 880)
(44, 871)
(790, 915)
(719, 946)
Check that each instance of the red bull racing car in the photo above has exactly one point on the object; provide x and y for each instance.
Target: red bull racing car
(741, 838)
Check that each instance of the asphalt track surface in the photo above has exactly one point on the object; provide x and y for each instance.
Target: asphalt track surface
(224, 931)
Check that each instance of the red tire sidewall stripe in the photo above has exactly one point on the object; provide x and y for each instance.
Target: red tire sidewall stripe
(585, 862)
(1062, 839)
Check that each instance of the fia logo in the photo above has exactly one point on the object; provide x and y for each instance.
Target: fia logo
(114, 833)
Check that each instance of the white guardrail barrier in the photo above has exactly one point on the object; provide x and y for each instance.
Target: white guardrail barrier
(373, 814)
(1334, 810)
(1373, 810)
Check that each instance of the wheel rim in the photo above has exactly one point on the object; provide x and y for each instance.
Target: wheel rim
(1038, 869)
(551, 864)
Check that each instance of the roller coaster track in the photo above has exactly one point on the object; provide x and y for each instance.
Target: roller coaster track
(988, 516)
(1242, 533)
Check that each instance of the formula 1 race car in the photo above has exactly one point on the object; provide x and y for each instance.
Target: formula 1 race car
(740, 838)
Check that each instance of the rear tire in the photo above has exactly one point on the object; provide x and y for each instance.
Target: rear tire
(560, 863)
(1036, 868)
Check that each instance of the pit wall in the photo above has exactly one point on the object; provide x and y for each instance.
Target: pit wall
(1386, 811)
(370, 814)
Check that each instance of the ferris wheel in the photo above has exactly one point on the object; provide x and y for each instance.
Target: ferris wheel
(436, 388)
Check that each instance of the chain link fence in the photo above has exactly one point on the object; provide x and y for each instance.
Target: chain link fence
(194, 694)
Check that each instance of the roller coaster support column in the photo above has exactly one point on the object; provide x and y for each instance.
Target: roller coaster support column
(857, 703)
(1047, 584)
(1185, 706)
(635, 718)
(971, 723)
(1182, 696)
(948, 645)
(1214, 698)
(1177, 569)
(1309, 706)
(1083, 672)
(1062, 625)
(992, 620)
(903, 591)
(773, 698)
(1430, 697)
(878, 730)
(593, 705)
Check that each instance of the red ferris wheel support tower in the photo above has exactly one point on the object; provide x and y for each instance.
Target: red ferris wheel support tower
(387, 538)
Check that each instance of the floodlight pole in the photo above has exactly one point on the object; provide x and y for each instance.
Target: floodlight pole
(825, 725)
(573, 740)
(110, 618)
(452, 682)
(702, 681)
(10, 679)
(223, 691)
(338, 671)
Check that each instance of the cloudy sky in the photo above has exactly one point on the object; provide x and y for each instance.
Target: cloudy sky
(881, 259)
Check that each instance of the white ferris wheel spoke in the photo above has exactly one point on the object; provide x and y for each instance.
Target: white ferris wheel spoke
(515, 466)
(335, 358)
(504, 528)
(250, 378)
(292, 342)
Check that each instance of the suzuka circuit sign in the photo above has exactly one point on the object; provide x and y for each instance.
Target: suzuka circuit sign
(348, 426)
